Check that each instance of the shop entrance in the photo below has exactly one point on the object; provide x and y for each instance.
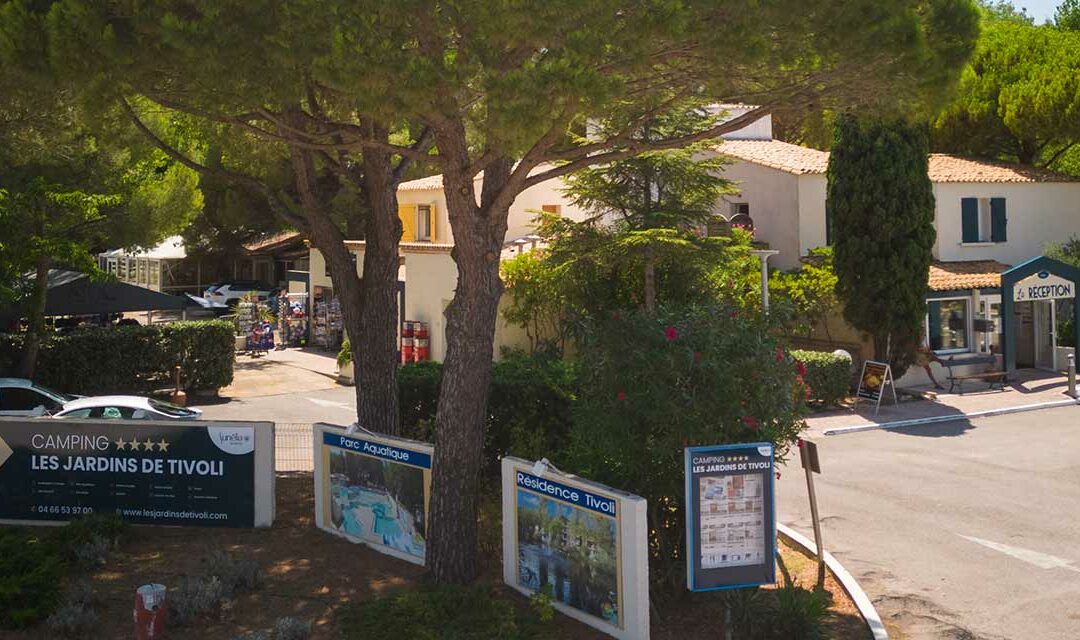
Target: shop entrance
(1030, 295)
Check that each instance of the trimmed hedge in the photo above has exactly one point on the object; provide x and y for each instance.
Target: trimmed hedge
(828, 375)
(529, 406)
(135, 359)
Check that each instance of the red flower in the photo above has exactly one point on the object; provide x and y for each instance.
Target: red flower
(800, 367)
(779, 354)
(777, 475)
(752, 422)
(620, 396)
(697, 356)
(734, 314)
(671, 333)
(730, 283)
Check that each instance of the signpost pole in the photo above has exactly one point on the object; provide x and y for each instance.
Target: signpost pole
(811, 464)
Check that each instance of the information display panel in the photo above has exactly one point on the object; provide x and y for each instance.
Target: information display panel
(730, 516)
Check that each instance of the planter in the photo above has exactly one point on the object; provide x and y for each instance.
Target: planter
(346, 374)
(240, 343)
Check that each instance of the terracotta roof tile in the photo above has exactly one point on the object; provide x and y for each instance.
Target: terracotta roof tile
(972, 274)
(777, 154)
(943, 167)
(430, 183)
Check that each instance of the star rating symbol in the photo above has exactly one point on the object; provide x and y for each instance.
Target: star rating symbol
(135, 444)
(121, 444)
(148, 445)
(163, 445)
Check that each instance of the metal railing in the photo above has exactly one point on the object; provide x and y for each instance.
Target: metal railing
(292, 447)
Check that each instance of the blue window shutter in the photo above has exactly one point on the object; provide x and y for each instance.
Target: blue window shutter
(969, 212)
(998, 220)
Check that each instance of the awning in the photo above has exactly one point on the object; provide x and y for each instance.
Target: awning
(968, 274)
(71, 293)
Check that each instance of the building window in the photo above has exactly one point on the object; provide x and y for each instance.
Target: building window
(423, 223)
(983, 220)
(947, 325)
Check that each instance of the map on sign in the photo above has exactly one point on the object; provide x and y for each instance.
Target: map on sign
(732, 521)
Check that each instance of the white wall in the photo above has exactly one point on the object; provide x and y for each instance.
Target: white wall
(430, 281)
(811, 212)
(1037, 213)
(774, 206)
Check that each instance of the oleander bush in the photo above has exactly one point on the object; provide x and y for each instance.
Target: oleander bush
(827, 375)
(131, 359)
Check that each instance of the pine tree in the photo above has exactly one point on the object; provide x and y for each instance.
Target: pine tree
(880, 210)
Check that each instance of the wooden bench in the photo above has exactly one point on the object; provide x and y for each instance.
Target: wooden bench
(998, 378)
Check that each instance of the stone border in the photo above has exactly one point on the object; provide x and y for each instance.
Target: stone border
(846, 580)
(949, 418)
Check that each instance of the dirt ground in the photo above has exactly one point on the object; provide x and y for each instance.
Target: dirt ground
(309, 574)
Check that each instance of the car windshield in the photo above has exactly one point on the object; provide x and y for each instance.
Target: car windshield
(171, 409)
(60, 398)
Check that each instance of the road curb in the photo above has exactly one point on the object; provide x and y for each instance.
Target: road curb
(871, 426)
(846, 580)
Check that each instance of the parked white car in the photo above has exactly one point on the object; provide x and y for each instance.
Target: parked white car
(229, 293)
(22, 397)
(126, 408)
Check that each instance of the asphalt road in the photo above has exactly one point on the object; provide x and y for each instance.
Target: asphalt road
(336, 405)
(964, 530)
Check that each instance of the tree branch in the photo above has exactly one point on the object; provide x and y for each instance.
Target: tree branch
(275, 201)
(422, 144)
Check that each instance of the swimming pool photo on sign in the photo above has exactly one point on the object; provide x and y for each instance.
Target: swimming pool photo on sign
(378, 501)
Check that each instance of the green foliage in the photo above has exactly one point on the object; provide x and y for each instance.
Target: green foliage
(96, 361)
(344, 354)
(1067, 15)
(828, 376)
(446, 613)
(800, 614)
(31, 571)
(208, 592)
(1018, 98)
(808, 294)
(651, 386)
(880, 204)
(529, 405)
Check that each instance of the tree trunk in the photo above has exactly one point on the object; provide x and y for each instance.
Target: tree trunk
(375, 345)
(479, 232)
(650, 279)
(35, 332)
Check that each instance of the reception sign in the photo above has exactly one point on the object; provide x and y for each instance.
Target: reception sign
(1043, 286)
(148, 472)
(730, 516)
(582, 543)
(373, 489)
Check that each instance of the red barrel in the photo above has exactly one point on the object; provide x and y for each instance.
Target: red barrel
(406, 342)
(422, 351)
(150, 612)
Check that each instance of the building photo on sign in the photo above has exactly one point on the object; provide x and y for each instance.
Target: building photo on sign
(374, 489)
(566, 538)
(150, 473)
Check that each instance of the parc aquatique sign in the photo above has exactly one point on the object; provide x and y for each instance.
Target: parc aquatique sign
(147, 472)
(373, 489)
(730, 516)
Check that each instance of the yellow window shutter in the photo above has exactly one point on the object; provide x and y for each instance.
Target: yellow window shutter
(407, 214)
(432, 220)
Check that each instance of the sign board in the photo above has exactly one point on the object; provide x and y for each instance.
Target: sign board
(808, 455)
(373, 489)
(1043, 286)
(874, 379)
(582, 543)
(730, 516)
(211, 474)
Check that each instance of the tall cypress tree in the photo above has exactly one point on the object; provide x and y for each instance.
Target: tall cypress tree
(880, 209)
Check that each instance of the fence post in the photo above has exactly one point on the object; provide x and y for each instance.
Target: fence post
(1072, 373)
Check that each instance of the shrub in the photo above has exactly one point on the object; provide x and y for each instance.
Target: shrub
(75, 617)
(87, 540)
(103, 360)
(652, 385)
(441, 613)
(799, 614)
(827, 375)
(529, 406)
(31, 571)
(211, 592)
(344, 355)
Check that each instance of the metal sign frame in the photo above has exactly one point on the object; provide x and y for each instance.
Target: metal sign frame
(886, 381)
(733, 455)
